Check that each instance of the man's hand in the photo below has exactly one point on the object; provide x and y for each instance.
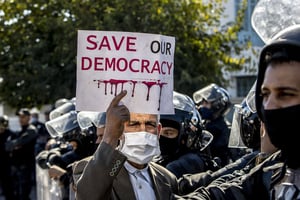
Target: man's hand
(116, 115)
(56, 172)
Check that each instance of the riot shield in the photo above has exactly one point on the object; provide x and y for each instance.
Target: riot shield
(47, 189)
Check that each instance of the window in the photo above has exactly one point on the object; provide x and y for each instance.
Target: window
(244, 84)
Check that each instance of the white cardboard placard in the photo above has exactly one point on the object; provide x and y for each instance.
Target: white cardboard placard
(141, 63)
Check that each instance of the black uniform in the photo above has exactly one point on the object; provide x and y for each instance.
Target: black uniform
(256, 184)
(21, 146)
(219, 145)
(5, 167)
(43, 136)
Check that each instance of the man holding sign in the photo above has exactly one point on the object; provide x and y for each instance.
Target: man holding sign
(109, 176)
(130, 74)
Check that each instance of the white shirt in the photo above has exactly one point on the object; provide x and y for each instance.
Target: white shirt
(141, 182)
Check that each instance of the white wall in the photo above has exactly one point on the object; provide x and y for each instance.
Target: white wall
(229, 12)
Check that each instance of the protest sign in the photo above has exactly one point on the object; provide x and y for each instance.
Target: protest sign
(141, 63)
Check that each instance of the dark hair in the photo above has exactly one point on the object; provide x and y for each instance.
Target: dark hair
(284, 47)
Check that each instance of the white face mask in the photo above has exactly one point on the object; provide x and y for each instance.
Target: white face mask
(140, 147)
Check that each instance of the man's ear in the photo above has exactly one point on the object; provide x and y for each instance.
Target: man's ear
(159, 127)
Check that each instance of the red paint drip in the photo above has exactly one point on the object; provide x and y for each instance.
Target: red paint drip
(115, 83)
(149, 85)
(133, 87)
(160, 90)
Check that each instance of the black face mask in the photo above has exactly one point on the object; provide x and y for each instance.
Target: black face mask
(206, 113)
(282, 126)
(168, 146)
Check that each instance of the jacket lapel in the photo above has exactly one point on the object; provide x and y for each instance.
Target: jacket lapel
(122, 186)
(161, 188)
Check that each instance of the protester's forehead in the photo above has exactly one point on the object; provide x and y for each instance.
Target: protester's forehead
(283, 75)
(283, 83)
(142, 117)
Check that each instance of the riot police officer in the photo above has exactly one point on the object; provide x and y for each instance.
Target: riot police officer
(21, 147)
(5, 166)
(183, 140)
(247, 132)
(214, 103)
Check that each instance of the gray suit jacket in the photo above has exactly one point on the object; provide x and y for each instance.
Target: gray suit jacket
(105, 177)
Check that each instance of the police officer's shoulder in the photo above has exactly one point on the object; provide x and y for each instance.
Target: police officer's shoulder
(161, 169)
(31, 128)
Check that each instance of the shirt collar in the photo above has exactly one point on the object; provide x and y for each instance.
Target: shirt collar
(131, 169)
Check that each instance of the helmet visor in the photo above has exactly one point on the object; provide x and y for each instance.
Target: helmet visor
(63, 109)
(235, 140)
(185, 103)
(62, 124)
(250, 99)
(87, 119)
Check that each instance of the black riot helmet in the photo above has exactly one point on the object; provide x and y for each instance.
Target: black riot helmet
(217, 96)
(245, 130)
(283, 46)
(185, 110)
(4, 121)
(192, 135)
